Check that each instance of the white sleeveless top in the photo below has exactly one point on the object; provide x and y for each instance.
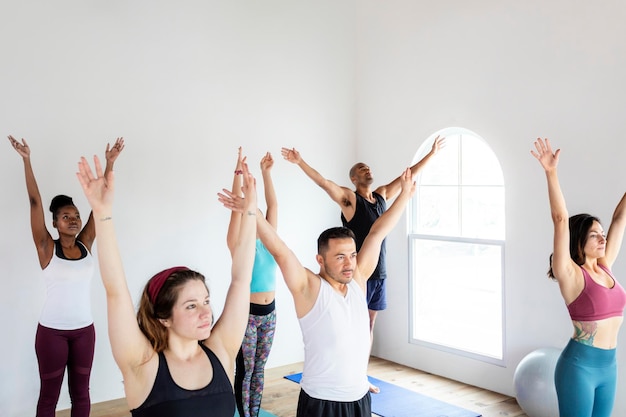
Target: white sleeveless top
(336, 345)
(68, 292)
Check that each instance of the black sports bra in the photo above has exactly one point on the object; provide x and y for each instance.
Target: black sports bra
(169, 400)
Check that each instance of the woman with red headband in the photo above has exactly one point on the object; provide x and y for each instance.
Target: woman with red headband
(174, 361)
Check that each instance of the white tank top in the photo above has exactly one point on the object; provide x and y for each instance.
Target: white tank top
(336, 345)
(68, 292)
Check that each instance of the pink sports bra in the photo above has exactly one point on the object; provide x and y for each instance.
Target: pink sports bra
(597, 302)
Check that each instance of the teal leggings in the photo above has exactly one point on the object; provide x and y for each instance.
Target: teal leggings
(586, 379)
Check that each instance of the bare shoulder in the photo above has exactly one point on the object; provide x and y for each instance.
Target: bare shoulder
(305, 300)
(571, 284)
(361, 279)
(382, 191)
(138, 380)
(313, 281)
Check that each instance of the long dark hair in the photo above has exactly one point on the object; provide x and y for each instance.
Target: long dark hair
(579, 226)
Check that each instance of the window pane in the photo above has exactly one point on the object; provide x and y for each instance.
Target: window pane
(457, 300)
(483, 212)
(438, 211)
(479, 164)
(443, 168)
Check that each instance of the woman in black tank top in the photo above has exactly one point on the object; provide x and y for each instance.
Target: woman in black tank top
(173, 359)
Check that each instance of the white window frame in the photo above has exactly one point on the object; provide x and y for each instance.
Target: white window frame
(413, 238)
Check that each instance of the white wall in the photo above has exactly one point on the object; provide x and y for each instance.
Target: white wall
(510, 71)
(185, 83)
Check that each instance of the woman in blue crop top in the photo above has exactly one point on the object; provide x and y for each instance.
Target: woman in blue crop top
(586, 372)
(257, 343)
(64, 338)
(175, 362)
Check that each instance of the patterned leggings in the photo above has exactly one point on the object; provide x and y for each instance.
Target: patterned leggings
(56, 350)
(255, 349)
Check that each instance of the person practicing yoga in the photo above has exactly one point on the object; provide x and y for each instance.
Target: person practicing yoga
(360, 208)
(257, 342)
(586, 371)
(175, 362)
(332, 310)
(65, 335)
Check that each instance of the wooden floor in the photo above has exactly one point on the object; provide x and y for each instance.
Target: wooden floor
(281, 395)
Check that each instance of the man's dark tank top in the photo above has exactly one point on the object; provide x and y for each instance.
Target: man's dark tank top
(169, 400)
(365, 214)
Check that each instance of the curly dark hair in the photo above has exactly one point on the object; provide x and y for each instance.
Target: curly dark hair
(59, 202)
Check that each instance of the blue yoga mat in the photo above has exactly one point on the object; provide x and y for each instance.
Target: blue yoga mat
(395, 401)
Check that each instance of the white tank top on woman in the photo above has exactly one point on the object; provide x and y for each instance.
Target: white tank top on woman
(68, 292)
(336, 345)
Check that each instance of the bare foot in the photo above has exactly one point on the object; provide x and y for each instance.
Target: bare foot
(374, 389)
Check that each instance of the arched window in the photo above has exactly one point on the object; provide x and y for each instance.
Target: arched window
(456, 242)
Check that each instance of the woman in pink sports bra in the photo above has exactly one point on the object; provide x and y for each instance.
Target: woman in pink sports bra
(586, 372)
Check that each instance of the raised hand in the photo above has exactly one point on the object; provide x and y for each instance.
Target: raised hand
(548, 159)
(291, 155)
(231, 201)
(267, 162)
(438, 144)
(111, 153)
(406, 182)
(237, 203)
(97, 188)
(240, 161)
(22, 148)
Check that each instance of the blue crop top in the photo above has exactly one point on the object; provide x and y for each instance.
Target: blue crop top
(264, 270)
(597, 302)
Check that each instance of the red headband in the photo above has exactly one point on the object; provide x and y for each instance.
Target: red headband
(156, 282)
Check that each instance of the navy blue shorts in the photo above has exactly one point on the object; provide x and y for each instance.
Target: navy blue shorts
(376, 294)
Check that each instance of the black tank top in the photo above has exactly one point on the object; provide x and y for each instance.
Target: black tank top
(58, 250)
(365, 214)
(169, 400)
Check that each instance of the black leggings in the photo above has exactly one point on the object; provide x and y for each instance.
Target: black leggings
(56, 350)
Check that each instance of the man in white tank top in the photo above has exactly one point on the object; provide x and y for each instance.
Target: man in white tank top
(332, 311)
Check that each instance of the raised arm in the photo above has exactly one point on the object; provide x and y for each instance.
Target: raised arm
(231, 326)
(41, 236)
(615, 235)
(235, 216)
(367, 257)
(130, 347)
(271, 214)
(340, 195)
(564, 268)
(299, 280)
(88, 234)
(392, 189)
